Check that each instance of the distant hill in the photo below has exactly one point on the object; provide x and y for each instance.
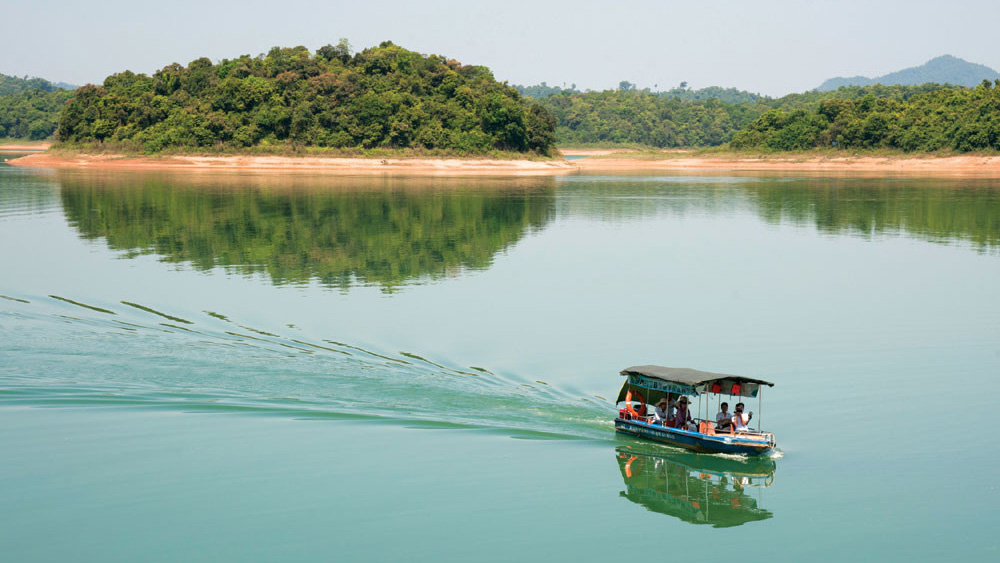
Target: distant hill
(725, 95)
(543, 90)
(29, 107)
(682, 92)
(13, 85)
(942, 70)
(10, 85)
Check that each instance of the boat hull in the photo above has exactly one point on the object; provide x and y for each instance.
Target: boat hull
(694, 441)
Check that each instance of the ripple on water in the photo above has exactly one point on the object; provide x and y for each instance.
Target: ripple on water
(103, 355)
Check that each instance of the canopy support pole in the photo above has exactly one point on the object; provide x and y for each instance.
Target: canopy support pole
(760, 403)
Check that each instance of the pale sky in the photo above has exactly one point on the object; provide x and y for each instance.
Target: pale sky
(772, 47)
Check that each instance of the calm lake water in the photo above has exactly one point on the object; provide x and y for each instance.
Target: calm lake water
(286, 367)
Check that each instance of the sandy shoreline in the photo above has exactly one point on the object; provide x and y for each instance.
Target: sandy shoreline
(306, 164)
(987, 166)
(605, 161)
(29, 146)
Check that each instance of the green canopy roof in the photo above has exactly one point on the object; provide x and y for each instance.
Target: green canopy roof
(688, 376)
(658, 381)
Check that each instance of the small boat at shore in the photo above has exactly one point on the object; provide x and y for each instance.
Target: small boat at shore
(647, 385)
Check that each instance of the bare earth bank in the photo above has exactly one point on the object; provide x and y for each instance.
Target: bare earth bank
(952, 165)
(598, 161)
(25, 146)
(291, 164)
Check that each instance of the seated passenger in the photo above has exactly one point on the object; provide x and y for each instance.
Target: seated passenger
(660, 413)
(724, 419)
(682, 419)
(741, 420)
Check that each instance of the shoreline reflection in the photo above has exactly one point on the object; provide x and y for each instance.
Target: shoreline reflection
(936, 210)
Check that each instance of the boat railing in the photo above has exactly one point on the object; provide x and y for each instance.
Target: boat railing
(707, 427)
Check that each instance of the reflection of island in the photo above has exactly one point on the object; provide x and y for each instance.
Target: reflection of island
(697, 488)
(338, 232)
(938, 210)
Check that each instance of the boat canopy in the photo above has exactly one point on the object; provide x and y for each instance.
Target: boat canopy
(656, 381)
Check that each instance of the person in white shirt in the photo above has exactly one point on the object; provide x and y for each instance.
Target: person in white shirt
(740, 420)
(664, 411)
(724, 419)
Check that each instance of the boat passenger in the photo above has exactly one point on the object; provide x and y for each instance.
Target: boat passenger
(724, 419)
(741, 420)
(661, 411)
(682, 419)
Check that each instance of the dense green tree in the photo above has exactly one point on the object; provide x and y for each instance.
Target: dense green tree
(927, 120)
(682, 117)
(640, 117)
(10, 85)
(384, 97)
(543, 90)
(31, 114)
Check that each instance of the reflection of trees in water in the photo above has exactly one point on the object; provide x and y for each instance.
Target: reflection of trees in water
(934, 210)
(700, 489)
(629, 198)
(25, 189)
(368, 231)
(939, 210)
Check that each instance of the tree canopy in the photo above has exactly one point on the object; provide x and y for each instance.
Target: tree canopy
(385, 96)
(635, 116)
(10, 85)
(29, 107)
(955, 119)
(927, 117)
(389, 97)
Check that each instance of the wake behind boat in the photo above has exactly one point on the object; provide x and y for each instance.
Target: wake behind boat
(674, 390)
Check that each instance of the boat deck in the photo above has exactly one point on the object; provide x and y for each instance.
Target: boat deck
(709, 442)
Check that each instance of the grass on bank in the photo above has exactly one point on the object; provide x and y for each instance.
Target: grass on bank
(131, 150)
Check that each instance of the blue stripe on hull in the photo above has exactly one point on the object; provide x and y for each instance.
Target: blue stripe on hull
(690, 440)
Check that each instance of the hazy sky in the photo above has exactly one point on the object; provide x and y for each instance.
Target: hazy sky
(772, 47)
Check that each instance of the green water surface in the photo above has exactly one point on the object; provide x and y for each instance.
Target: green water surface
(214, 367)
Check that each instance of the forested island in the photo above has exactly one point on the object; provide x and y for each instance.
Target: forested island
(382, 97)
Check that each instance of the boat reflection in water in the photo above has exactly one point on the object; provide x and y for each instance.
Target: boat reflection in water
(697, 488)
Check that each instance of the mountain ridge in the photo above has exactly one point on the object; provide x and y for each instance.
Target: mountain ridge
(946, 69)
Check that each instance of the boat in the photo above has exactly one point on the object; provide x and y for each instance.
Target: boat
(719, 491)
(646, 385)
